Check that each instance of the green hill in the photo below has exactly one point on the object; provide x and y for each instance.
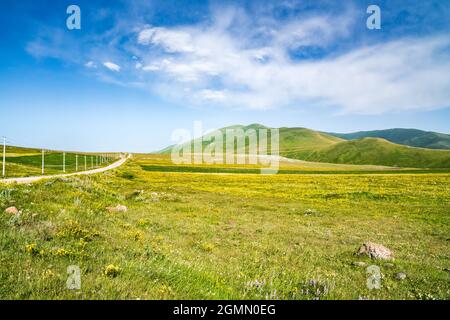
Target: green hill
(310, 145)
(378, 151)
(301, 139)
(409, 137)
(292, 140)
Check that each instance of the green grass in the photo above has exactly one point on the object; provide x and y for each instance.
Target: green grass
(233, 236)
(218, 169)
(21, 162)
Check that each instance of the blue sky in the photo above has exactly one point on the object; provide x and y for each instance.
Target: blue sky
(138, 70)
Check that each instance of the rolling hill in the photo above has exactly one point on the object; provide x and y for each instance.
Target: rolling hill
(377, 151)
(310, 145)
(291, 139)
(409, 137)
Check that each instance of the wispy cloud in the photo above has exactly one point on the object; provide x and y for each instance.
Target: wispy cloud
(233, 59)
(112, 66)
(90, 64)
(208, 64)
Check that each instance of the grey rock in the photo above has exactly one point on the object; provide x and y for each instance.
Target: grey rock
(118, 208)
(375, 251)
(400, 276)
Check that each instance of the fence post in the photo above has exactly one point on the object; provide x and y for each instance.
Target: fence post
(76, 162)
(64, 162)
(4, 158)
(43, 162)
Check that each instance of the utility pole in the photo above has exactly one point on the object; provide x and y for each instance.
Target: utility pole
(4, 157)
(76, 162)
(43, 162)
(64, 162)
(85, 163)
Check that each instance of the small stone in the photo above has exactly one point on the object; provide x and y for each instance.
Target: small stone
(118, 208)
(359, 264)
(121, 208)
(375, 251)
(12, 210)
(400, 276)
(309, 212)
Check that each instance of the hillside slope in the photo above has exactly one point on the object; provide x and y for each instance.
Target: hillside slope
(310, 145)
(302, 139)
(378, 151)
(292, 140)
(409, 137)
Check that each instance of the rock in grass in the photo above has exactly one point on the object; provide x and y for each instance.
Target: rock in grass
(118, 208)
(309, 212)
(121, 208)
(400, 276)
(375, 251)
(12, 210)
(359, 264)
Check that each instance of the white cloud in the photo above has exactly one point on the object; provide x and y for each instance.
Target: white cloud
(403, 74)
(151, 67)
(112, 66)
(235, 60)
(170, 40)
(90, 64)
(214, 95)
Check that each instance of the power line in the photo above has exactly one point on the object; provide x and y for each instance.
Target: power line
(99, 159)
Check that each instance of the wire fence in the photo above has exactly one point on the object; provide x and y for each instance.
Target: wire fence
(20, 161)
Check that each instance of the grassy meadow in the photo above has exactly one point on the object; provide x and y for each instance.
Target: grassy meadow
(203, 235)
(25, 162)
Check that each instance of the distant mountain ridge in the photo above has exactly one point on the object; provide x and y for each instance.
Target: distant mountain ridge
(306, 144)
(409, 137)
